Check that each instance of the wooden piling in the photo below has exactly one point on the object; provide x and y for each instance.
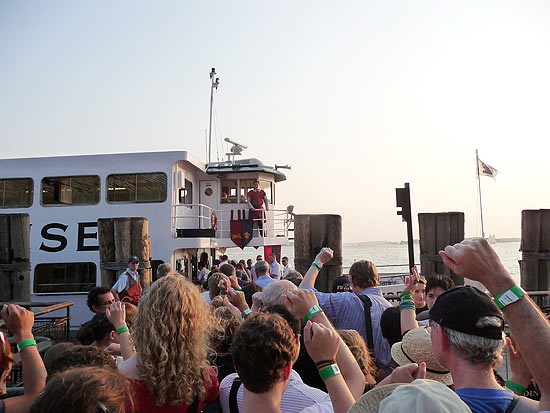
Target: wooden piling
(535, 248)
(437, 230)
(119, 239)
(313, 232)
(15, 275)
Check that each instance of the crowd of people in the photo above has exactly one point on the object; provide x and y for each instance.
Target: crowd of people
(259, 337)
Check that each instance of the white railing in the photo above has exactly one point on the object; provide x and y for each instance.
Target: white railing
(276, 222)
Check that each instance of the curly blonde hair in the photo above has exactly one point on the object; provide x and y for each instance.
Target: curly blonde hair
(170, 337)
(359, 350)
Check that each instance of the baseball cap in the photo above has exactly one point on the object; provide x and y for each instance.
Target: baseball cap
(133, 258)
(461, 309)
(341, 284)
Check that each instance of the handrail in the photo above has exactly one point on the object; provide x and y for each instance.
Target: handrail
(47, 308)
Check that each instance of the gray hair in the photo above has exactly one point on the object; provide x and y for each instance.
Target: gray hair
(273, 292)
(163, 269)
(476, 349)
(261, 268)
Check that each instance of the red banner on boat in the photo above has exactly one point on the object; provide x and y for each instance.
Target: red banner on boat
(273, 249)
(241, 229)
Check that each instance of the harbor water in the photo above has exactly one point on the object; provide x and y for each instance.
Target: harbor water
(387, 253)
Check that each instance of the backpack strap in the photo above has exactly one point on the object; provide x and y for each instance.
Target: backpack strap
(513, 404)
(368, 321)
(233, 404)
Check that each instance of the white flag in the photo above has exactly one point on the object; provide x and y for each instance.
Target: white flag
(486, 170)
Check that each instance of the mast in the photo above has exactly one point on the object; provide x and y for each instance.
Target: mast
(479, 190)
(214, 85)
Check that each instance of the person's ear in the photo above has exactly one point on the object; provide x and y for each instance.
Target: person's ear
(112, 335)
(286, 371)
(95, 308)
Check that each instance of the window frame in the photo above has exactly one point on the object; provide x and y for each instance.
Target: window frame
(93, 275)
(136, 175)
(2, 206)
(71, 204)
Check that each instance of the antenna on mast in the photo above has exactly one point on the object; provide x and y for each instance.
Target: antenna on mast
(215, 82)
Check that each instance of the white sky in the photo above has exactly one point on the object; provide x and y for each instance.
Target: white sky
(358, 96)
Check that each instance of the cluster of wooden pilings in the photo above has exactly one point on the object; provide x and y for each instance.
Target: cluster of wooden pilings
(119, 239)
(535, 248)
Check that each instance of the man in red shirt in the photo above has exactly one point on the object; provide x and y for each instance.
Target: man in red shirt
(256, 200)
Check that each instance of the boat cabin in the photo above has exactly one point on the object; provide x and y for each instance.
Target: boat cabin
(188, 206)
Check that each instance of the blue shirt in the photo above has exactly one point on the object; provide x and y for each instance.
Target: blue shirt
(346, 312)
(263, 280)
(486, 400)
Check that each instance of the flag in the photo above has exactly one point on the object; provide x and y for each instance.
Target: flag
(241, 229)
(486, 170)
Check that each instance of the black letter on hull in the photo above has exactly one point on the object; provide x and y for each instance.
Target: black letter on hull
(54, 237)
(82, 234)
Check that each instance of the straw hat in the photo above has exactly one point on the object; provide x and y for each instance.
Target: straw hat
(416, 347)
(368, 402)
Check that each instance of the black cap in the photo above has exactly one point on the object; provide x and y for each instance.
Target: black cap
(133, 259)
(461, 308)
(341, 284)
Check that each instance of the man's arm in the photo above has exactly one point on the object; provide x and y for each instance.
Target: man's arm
(298, 303)
(266, 201)
(324, 256)
(475, 259)
(116, 314)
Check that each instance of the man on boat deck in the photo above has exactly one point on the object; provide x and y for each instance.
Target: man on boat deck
(256, 200)
(128, 287)
(346, 310)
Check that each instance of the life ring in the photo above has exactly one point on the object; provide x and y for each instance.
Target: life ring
(214, 220)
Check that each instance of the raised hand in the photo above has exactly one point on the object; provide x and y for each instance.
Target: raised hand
(300, 301)
(321, 342)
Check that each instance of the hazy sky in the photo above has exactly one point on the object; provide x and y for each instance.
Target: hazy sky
(358, 96)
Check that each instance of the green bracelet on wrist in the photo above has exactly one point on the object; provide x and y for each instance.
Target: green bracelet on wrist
(516, 388)
(508, 297)
(314, 264)
(329, 371)
(312, 311)
(122, 330)
(246, 312)
(406, 294)
(26, 343)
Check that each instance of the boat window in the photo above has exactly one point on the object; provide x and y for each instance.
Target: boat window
(188, 199)
(16, 192)
(229, 191)
(267, 187)
(70, 190)
(71, 277)
(136, 188)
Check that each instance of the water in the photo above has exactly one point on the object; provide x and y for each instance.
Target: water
(387, 253)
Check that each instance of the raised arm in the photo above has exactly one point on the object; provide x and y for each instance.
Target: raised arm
(116, 313)
(475, 259)
(302, 304)
(324, 256)
(407, 309)
(322, 344)
(20, 321)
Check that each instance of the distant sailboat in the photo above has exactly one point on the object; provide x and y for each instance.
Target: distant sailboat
(484, 169)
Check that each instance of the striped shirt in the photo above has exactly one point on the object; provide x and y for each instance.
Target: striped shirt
(346, 312)
(296, 397)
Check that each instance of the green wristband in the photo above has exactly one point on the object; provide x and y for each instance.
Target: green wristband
(26, 343)
(406, 294)
(508, 297)
(516, 388)
(122, 330)
(329, 371)
(313, 264)
(246, 312)
(312, 311)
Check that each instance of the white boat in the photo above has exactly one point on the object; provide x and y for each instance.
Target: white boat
(187, 204)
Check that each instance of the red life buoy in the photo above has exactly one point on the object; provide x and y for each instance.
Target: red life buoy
(214, 220)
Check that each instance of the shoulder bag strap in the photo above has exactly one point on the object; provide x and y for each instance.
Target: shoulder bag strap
(513, 404)
(368, 321)
(233, 403)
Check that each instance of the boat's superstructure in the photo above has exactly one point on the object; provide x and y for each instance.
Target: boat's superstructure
(187, 204)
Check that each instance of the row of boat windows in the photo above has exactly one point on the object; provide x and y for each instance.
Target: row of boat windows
(84, 190)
